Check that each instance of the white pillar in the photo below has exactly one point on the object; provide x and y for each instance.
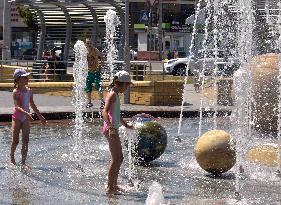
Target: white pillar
(142, 41)
(127, 48)
(160, 31)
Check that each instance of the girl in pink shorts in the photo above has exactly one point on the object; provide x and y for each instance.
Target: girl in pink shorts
(21, 117)
(112, 121)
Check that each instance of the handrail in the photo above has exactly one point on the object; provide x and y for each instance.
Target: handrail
(64, 70)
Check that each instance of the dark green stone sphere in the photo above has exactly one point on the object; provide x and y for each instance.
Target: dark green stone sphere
(151, 141)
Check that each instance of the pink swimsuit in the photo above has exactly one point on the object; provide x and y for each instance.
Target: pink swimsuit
(23, 97)
(114, 115)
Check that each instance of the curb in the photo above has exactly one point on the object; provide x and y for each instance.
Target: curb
(125, 114)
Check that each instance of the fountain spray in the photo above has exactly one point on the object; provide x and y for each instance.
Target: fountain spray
(191, 54)
(155, 195)
(278, 171)
(80, 71)
(112, 21)
(242, 82)
(202, 73)
(131, 169)
(216, 32)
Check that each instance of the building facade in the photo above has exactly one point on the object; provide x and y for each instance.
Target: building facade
(21, 38)
(176, 34)
(145, 33)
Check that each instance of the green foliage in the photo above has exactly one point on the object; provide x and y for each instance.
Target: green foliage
(29, 18)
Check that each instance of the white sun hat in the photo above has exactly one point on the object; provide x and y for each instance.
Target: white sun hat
(20, 73)
(123, 76)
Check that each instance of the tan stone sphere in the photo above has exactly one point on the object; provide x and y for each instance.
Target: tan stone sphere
(264, 154)
(265, 91)
(215, 151)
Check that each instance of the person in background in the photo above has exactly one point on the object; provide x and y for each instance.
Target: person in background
(45, 66)
(176, 53)
(94, 72)
(23, 98)
(169, 55)
(53, 62)
(17, 49)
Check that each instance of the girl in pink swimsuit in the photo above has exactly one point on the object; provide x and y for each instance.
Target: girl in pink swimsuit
(21, 117)
(112, 120)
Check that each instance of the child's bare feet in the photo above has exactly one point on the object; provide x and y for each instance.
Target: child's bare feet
(11, 165)
(114, 191)
(25, 167)
(120, 189)
(13, 161)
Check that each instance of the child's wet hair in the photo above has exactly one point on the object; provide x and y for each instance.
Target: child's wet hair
(15, 82)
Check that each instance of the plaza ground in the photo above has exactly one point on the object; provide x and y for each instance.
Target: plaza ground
(59, 104)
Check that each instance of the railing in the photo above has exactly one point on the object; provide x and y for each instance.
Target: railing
(141, 70)
(38, 69)
(63, 70)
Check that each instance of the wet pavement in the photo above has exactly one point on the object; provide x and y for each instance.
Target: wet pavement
(54, 177)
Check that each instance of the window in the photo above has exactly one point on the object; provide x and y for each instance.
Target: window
(177, 13)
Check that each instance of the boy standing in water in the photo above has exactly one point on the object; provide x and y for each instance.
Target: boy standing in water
(94, 72)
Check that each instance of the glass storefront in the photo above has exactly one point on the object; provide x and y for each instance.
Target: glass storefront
(176, 33)
(22, 41)
(177, 13)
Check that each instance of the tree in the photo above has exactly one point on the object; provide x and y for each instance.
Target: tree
(29, 18)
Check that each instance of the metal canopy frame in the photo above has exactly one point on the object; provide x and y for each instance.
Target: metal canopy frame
(66, 20)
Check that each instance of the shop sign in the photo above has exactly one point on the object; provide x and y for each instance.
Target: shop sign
(181, 28)
(166, 26)
(139, 26)
(144, 16)
(186, 28)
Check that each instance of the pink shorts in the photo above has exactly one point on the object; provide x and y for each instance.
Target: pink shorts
(105, 129)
